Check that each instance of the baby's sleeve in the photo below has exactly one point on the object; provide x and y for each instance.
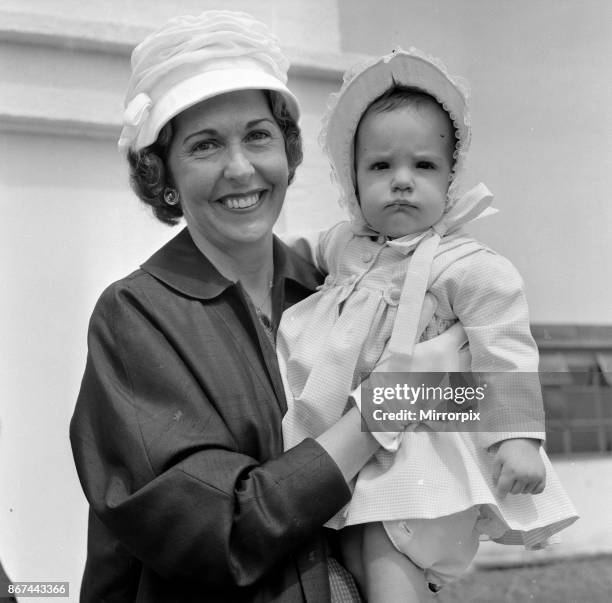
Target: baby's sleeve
(489, 301)
(315, 245)
(306, 244)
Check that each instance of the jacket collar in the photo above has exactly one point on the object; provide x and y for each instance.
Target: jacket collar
(180, 265)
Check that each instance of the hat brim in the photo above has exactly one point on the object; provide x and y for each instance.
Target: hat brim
(204, 86)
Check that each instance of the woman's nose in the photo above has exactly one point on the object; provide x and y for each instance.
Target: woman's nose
(238, 166)
(402, 179)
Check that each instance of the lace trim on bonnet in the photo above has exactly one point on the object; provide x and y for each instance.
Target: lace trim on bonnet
(342, 166)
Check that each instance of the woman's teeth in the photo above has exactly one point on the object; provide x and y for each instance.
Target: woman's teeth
(240, 202)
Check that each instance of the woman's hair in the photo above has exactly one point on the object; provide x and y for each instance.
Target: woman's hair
(149, 174)
(407, 96)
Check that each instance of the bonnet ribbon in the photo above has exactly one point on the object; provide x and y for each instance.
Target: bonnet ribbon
(471, 205)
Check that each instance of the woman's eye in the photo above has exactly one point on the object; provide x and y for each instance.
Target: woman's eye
(258, 136)
(379, 165)
(203, 146)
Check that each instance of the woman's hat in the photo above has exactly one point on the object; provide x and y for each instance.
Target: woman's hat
(191, 59)
(364, 83)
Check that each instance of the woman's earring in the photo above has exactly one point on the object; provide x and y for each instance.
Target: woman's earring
(171, 196)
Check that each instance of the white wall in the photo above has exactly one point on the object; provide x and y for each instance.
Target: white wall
(541, 98)
(70, 225)
(305, 25)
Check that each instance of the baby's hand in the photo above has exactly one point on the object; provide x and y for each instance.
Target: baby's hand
(518, 467)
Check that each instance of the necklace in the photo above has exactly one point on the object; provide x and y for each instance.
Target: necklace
(258, 307)
(264, 319)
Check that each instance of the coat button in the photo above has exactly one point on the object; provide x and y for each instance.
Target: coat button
(367, 257)
(394, 295)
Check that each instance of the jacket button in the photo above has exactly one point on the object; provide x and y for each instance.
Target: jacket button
(367, 257)
(395, 295)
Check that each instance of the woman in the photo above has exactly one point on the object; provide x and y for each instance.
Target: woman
(177, 429)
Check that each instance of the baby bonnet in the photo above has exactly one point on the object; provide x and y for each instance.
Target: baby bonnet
(365, 82)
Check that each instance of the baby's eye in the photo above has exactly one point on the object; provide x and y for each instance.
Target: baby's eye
(426, 165)
(258, 136)
(379, 165)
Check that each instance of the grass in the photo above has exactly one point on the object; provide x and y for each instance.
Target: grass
(586, 580)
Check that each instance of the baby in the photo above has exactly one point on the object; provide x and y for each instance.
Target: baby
(400, 272)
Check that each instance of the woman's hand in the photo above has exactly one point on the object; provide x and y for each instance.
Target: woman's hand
(518, 467)
(348, 444)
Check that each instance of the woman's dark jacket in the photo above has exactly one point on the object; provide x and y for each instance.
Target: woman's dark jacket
(178, 444)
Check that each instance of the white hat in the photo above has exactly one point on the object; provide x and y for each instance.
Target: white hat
(364, 83)
(191, 59)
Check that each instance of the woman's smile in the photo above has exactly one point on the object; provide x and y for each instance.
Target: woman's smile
(242, 201)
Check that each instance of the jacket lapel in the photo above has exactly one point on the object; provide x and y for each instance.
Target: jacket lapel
(181, 265)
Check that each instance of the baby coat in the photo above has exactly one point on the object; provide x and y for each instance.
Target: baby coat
(331, 340)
